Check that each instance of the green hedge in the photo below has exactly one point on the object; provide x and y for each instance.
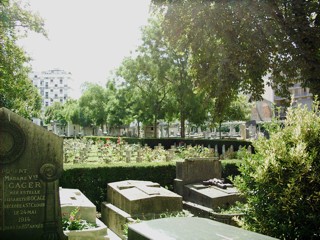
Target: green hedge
(168, 142)
(93, 180)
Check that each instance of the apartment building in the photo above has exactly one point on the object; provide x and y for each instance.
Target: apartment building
(53, 86)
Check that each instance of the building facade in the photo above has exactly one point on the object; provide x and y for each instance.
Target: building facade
(53, 86)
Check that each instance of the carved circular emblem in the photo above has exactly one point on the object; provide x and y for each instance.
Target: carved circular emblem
(49, 172)
(12, 142)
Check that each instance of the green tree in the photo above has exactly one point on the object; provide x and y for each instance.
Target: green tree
(163, 77)
(55, 112)
(221, 110)
(235, 43)
(281, 180)
(93, 103)
(16, 90)
(118, 106)
(141, 74)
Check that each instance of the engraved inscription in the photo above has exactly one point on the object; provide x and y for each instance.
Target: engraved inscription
(22, 200)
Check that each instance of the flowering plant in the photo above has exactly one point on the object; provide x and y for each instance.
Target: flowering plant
(72, 222)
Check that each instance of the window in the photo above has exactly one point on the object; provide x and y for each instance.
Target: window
(61, 81)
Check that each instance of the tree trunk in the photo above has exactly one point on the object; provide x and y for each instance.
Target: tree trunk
(168, 129)
(138, 129)
(182, 124)
(155, 127)
(220, 123)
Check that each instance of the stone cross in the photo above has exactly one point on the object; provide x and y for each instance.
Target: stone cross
(31, 161)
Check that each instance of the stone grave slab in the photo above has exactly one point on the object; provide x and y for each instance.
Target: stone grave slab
(189, 228)
(143, 197)
(211, 196)
(71, 199)
(31, 161)
(195, 170)
(129, 200)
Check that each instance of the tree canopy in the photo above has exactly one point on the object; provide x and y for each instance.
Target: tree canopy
(17, 92)
(235, 44)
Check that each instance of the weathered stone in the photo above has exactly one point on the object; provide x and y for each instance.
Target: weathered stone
(115, 218)
(73, 198)
(212, 197)
(31, 161)
(195, 170)
(189, 228)
(140, 198)
(128, 200)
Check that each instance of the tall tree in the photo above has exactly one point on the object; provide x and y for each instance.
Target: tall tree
(168, 77)
(16, 90)
(235, 43)
(142, 75)
(118, 106)
(93, 104)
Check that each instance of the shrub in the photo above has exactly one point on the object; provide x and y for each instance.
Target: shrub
(93, 180)
(281, 180)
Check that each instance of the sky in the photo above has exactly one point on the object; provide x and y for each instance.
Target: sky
(87, 38)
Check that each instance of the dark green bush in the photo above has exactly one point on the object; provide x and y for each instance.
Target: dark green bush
(230, 168)
(93, 180)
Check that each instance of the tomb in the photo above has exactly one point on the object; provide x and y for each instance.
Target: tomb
(71, 199)
(129, 200)
(193, 178)
(31, 161)
(189, 228)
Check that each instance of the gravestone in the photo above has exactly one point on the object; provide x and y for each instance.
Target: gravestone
(194, 170)
(133, 199)
(31, 161)
(189, 228)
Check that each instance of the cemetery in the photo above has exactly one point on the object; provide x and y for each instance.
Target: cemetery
(55, 188)
(35, 206)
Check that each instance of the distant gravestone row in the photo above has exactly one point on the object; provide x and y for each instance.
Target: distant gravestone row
(31, 163)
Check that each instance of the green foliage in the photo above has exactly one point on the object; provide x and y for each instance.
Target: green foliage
(168, 142)
(74, 222)
(83, 178)
(281, 180)
(93, 104)
(17, 92)
(235, 43)
(230, 169)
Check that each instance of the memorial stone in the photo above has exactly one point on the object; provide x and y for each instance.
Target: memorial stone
(31, 161)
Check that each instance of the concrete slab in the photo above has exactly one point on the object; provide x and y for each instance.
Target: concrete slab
(211, 196)
(143, 197)
(72, 198)
(189, 228)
